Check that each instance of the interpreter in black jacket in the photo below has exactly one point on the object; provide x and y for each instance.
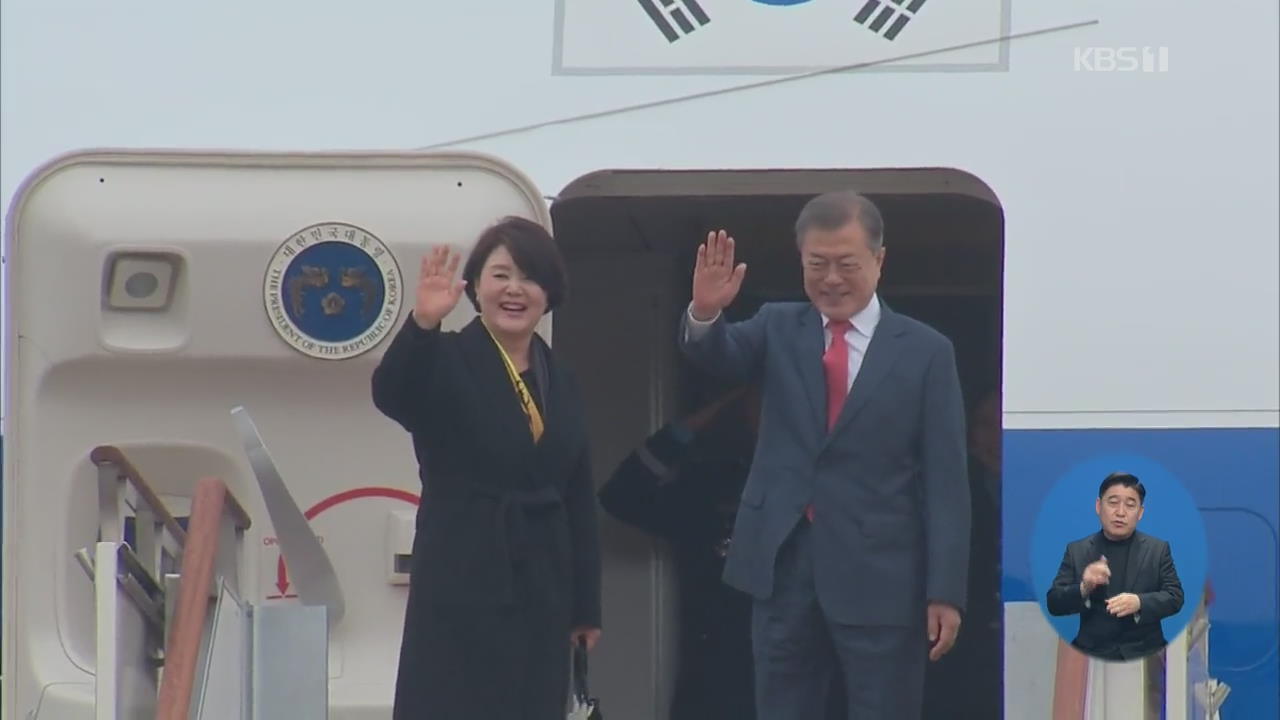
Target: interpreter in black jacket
(1120, 581)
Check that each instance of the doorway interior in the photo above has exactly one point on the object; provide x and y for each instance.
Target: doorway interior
(629, 239)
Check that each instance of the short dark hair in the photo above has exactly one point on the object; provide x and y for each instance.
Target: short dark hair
(834, 210)
(1126, 479)
(532, 248)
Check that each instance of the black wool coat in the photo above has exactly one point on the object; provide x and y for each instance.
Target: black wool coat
(506, 558)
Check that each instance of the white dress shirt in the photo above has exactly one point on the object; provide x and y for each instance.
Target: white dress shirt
(858, 337)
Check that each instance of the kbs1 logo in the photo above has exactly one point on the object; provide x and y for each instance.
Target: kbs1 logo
(1122, 59)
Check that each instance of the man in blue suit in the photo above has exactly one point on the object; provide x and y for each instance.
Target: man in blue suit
(852, 535)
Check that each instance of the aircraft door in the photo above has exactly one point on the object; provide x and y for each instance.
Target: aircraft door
(149, 293)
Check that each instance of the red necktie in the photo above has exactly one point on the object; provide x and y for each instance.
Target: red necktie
(835, 364)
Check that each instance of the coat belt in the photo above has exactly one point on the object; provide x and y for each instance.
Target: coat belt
(510, 526)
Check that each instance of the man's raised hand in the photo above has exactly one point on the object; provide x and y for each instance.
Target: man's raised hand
(716, 280)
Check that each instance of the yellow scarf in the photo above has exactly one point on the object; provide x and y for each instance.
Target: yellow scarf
(522, 391)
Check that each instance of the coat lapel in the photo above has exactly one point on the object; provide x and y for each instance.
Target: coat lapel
(882, 353)
(809, 361)
(548, 374)
(494, 386)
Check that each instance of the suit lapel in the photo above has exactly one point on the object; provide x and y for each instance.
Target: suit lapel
(809, 362)
(882, 353)
(1137, 556)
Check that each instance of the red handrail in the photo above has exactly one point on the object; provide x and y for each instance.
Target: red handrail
(1070, 683)
(182, 647)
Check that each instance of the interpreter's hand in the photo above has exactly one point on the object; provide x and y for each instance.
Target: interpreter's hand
(438, 291)
(1124, 604)
(944, 625)
(1097, 573)
(590, 635)
(716, 280)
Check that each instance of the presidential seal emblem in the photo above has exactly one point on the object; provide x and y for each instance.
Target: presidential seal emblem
(333, 291)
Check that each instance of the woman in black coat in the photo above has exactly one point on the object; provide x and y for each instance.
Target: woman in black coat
(505, 573)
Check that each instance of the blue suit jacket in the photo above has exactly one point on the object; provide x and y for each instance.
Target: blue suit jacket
(889, 483)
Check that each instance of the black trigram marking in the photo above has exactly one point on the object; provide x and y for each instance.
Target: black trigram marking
(889, 17)
(675, 18)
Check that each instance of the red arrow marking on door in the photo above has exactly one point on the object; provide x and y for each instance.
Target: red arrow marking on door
(282, 573)
(282, 578)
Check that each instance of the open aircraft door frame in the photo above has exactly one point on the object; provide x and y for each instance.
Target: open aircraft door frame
(123, 267)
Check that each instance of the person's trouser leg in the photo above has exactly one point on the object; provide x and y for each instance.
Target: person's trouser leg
(793, 655)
